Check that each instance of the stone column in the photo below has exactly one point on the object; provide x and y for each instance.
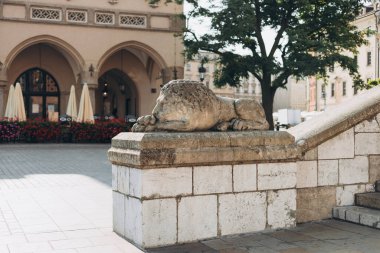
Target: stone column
(201, 185)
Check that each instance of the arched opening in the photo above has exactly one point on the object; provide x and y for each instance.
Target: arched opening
(41, 94)
(118, 94)
(46, 60)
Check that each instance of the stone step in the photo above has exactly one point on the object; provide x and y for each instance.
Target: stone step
(359, 215)
(369, 199)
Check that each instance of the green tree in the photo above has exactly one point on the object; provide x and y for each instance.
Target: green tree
(311, 35)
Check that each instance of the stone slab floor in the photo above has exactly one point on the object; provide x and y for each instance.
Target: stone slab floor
(56, 198)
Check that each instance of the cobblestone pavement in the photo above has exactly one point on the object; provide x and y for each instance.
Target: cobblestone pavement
(57, 199)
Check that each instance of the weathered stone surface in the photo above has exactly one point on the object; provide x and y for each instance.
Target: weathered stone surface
(282, 208)
(307, 173)
(311, 155)
(360, 215)
(168, 182)
(341, 146)
(244, 177)
(123, 179)
(186, 106)
(374, 168)
(273, 176)
(353, 171)
(162, 150)
(118, 212)
(135, 182)
(197, 218)
(315, 203)
(159, 222)
(370, 200)
(327, 172)
(114, 177)
(242, 213)
(133, 220)
(212, 179)
(368, 126)
(367, 143)
(345, 195)
(317, 130)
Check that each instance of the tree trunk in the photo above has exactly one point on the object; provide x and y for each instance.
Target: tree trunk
(267, 94)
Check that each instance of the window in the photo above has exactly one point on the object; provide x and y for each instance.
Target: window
(356, 59)
(104, 18)
(369, 60)
(76, 16)
(323, 93)
(344, 91)
(41, 94)
(47, 14)
(132, 20)
(332, 89)
(188, 67)
(355, 90)
(331, 68)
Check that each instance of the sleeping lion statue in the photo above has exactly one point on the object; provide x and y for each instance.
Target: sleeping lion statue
(186, 106)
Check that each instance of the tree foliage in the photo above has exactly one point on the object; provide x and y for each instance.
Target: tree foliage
(310, 36)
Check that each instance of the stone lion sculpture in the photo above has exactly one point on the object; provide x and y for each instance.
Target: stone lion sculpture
(186, 106)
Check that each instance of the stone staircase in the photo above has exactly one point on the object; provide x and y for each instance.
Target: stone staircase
(366, 210)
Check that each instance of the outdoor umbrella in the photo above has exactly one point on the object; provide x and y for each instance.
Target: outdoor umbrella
(85, 113)
(18, 104)
(9, 108)
(72, 104)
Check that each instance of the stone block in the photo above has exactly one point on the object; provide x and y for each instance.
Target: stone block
(244, 177)
(157, 183)
(135, 182)
(327, 172)
(339, 213)
(345, 195)
(368, 126)
(282, 208)
(123, 179)
(212, 179)
(114, 177)
(242, 212)
(159, 224)
(353, 171)
(307, 173)
(315, 203)
(311, 155)
(341, 146)
(118, 212)
(133, 220)
(168, 182)
(374, 168)
(367, 143)
(352, 216)
(272, 176)
(197, 218)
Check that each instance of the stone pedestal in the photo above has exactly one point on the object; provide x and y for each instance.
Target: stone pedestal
(171, 188)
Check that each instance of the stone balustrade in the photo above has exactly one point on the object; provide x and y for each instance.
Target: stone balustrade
(171, 188)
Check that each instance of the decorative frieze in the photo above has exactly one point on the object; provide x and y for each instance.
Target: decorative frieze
(76, 16)
(104, 18)
(132, 20)
(47, 14)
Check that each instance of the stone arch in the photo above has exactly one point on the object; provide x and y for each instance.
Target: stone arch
(69, 52)
(134, 45)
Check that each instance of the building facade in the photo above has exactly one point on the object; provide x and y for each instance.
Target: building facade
(339, 85)
(249, 87)
(126, 48)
